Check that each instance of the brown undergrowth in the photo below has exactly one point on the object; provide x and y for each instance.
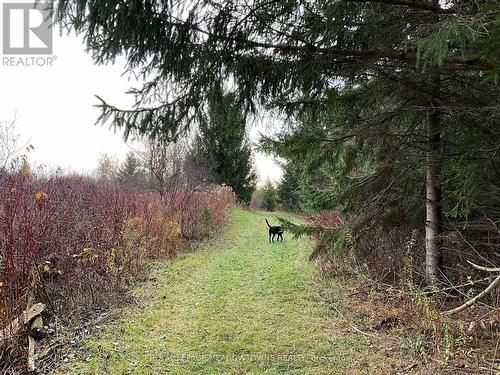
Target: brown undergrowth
(408, 323)
(386, 290)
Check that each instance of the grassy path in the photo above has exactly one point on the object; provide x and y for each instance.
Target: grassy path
(237, 305)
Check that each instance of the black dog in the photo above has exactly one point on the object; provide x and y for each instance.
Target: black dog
(273, 231)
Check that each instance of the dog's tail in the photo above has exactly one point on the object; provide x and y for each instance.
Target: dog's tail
(268, 224)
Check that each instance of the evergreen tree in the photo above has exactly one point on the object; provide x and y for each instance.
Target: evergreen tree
(268, 196)
(388, 95)
(222, 145)
(130, 172)
(289, 187)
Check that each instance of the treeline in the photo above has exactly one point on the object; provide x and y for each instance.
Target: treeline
(392, 107)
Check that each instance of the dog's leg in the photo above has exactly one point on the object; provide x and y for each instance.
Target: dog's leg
(273, 237)
(269, 236)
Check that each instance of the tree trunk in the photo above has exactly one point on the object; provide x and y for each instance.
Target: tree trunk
(433, 194)
(433, 251)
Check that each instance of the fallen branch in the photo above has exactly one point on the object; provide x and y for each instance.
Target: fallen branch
(31, 354)
(468, 283)
(472, 301)
(348, 322)
(482, 268)
(51, 348)
(13, 327)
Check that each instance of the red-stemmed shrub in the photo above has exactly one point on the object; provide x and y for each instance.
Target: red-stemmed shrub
(73, 242)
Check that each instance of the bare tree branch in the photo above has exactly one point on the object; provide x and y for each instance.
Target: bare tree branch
(482, 268)
(408, 3)
(365, 56)
(472, 301)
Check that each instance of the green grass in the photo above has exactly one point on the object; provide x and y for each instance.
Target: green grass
(236, 305)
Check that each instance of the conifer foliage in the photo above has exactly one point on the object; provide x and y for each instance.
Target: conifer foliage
(222, 146)
(395, 103)
(130, 172)
(289, 187)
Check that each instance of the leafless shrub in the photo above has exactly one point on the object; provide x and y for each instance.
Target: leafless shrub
(10, 146)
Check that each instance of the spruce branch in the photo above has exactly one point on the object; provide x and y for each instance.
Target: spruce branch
(408, 3)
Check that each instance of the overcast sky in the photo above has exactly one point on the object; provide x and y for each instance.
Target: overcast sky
(55, 113)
